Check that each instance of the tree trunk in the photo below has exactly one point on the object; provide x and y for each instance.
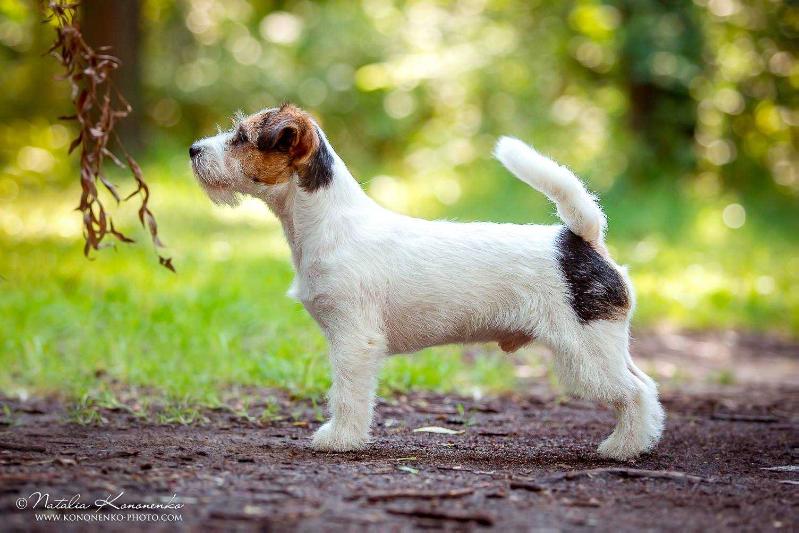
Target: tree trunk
(117, 24)
(662, 113)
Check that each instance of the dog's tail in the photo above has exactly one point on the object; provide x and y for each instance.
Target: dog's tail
(577, 207)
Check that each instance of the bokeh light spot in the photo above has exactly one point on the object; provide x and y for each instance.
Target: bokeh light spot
(399, 104)
(35, 159)
(281, 27)
(734, 216)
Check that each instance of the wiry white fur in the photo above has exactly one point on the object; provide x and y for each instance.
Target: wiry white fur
(381, 283)
(577, 208)
(220, 177)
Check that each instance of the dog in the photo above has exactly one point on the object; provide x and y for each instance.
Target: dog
(380, 283)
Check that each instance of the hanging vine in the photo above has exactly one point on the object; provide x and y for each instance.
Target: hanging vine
(98, 106)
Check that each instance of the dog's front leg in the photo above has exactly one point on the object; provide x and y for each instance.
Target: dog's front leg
(356, 366)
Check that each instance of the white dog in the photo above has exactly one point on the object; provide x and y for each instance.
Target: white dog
(380, 283)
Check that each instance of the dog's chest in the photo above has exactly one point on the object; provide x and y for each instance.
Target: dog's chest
(316, 288)
(305, 287)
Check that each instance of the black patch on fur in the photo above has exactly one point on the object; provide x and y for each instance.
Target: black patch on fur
(318, 171)
(596, 289)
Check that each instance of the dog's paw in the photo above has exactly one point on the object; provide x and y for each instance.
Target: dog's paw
(333, 438)
(612, 448)
(620, 448)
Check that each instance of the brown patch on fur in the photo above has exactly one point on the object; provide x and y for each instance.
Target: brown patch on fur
(269, 168)
(275, 144)
(515, 341)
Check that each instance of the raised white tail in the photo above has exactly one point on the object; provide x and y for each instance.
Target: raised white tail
(577, 207)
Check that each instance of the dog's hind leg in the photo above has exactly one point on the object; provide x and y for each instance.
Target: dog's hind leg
(356, 361)
(596, 365)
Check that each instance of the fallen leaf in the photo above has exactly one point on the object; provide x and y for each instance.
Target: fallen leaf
(254, 510)
(408, 469)
(438, 429)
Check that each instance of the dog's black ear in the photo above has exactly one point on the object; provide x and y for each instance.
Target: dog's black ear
(317, 172)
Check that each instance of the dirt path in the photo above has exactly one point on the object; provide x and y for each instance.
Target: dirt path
(520, 463)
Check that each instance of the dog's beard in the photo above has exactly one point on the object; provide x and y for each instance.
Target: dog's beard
(222, 195)
(217, 185)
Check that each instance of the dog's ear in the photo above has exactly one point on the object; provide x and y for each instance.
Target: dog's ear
(288, 130)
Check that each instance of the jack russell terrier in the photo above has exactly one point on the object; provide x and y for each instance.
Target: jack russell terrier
(381, 283)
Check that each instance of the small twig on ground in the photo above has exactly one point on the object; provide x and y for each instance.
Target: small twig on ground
(527, 485)
(122, 454)
(458, 468)
(22, 447)
(485, 409)
(437, 514)
(631, 473)
(784, 468)
(590, 502)
(740, 417)
(425, 495)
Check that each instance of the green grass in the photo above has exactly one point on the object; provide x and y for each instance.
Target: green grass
(85, 329)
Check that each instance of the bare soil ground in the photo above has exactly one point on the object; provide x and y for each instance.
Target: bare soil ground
(518, 462)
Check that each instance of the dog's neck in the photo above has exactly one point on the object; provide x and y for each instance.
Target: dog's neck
(313, 219)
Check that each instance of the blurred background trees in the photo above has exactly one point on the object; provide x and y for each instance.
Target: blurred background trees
(682, 114)
(633, 90)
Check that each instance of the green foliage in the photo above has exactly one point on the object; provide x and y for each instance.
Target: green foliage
(633, 90)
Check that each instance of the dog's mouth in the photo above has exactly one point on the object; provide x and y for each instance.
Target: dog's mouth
(207, 180)
(218, 185)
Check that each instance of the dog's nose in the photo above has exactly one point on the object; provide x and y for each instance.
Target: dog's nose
(194, 150)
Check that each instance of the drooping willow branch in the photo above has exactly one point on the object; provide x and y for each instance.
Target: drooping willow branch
(98, 107)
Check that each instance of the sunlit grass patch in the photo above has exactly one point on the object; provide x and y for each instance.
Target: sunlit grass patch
(86, 328)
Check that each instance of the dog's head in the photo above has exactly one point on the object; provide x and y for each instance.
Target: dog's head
(263, 151)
